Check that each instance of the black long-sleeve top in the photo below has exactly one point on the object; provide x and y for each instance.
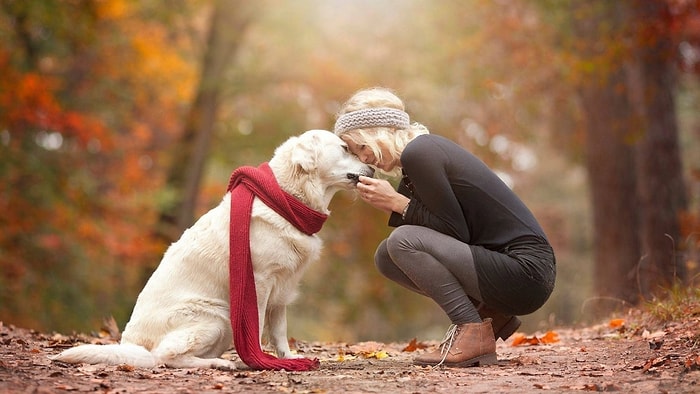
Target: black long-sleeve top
(454, 192)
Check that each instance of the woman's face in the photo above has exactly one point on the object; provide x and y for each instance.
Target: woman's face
(365, 154)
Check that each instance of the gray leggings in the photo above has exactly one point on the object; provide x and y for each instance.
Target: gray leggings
(435, 265)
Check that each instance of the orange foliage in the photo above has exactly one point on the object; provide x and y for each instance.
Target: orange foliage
(78, 215)
(28, 102)
(112, 9)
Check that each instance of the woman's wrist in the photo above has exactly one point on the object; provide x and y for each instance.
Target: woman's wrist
(401, 205)
(405, 210)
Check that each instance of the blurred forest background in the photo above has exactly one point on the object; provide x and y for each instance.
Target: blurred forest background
(121, 121)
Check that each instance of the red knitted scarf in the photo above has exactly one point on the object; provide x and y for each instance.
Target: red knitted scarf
(245, 184)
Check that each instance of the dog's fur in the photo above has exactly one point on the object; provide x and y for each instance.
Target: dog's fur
(181, 317)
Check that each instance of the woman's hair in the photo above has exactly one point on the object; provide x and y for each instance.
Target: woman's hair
(394, 139)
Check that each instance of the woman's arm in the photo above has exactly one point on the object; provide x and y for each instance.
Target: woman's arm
(380, 194)
(435, 205)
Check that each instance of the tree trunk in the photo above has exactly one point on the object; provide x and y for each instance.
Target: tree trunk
(632, 151)
(659, 170)
(610, 165)
(230, 19)
(609, 156)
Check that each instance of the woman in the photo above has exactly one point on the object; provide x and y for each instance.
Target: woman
(462, 237)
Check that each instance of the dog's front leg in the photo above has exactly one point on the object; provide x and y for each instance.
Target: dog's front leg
(277, 321)
(263, 295)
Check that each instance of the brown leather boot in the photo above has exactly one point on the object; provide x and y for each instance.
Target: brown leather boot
(465, 345)
(503, 325)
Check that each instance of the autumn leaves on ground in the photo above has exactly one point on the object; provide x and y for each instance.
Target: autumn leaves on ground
(638, 352)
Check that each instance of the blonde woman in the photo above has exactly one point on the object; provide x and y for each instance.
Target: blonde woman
(462, 237)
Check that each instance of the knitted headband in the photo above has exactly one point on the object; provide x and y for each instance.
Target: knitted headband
(371, 117)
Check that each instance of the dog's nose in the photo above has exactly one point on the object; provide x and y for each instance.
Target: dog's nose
(368, 172)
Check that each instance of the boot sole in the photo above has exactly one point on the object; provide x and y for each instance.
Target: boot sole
(509, 328)
(480, 361)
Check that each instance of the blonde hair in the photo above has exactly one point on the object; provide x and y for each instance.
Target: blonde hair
(394, 139)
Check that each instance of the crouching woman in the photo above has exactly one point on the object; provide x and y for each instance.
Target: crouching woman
(462, 237)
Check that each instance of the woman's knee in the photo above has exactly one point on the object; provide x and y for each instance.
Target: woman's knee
(401, 241)
(383, 261)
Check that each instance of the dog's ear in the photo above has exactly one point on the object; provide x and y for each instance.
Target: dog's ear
(305, 153)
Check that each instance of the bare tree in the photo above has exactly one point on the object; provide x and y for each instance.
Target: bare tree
(609, 152)
(660, 181)
(632, 153)
(229, 21)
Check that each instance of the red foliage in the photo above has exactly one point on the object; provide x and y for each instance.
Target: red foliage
(28, 104)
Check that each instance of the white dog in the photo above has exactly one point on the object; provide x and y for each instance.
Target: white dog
(181, 317)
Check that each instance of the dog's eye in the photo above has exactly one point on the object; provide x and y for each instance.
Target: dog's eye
(345, 148)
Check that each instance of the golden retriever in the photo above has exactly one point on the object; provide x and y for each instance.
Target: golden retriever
(181, 317)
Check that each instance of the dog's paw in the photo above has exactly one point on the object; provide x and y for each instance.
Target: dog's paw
(224, 365)
(291, 355)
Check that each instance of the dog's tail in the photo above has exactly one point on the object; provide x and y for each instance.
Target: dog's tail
(115, 354)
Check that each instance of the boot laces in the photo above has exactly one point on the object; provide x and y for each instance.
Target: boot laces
(447, 342)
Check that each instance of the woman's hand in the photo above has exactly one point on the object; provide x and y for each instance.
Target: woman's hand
(380, 194)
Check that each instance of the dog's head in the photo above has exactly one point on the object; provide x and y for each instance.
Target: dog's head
(316, 164)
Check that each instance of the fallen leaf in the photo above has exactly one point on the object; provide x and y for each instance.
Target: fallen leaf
(550, 337)
(616, 323)
(522, 340)
(414, 345)
(653, 364)
(526, 360)
(655, 345)
(292, 342)
(653, 335)
(344, 357)
(365, 348)
(692, 362)
(379, 355)
(517, 337)
(125, 368)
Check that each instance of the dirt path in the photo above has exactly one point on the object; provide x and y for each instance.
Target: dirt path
(602, 358)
